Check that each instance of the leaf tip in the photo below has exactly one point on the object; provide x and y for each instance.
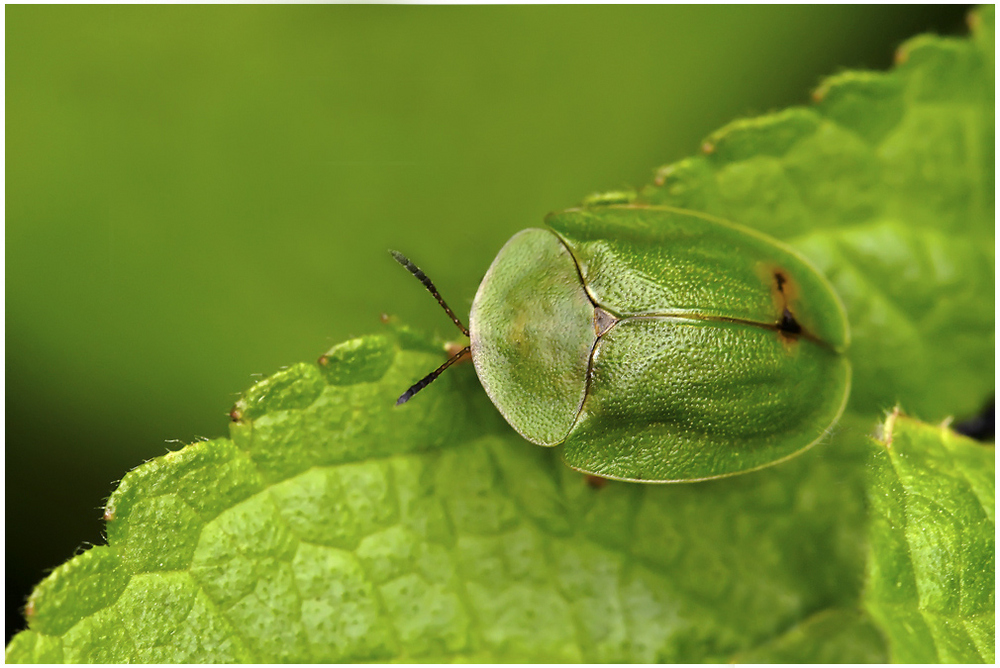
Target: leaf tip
(973, 20)
(609, 197)
(901, 56)
(662, 174)
(884, 431)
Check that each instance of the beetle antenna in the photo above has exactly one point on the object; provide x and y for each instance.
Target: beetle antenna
(429, 378)
(422, 277)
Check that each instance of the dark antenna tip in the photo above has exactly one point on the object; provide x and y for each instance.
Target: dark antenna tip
(429, 378)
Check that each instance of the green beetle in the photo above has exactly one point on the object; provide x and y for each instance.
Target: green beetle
(656, 344)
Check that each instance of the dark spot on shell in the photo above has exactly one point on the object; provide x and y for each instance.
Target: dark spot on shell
(785, 293)
(788, 324)
(780, 279)
(595, 482)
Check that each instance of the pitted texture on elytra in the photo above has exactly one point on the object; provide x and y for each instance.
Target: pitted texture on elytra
(735, 400)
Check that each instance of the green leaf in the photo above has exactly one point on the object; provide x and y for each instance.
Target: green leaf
(931, 575)
(333, 526)
(831, 636)
(887, 185)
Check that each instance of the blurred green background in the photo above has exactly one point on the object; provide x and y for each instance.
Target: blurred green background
(197, 196)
